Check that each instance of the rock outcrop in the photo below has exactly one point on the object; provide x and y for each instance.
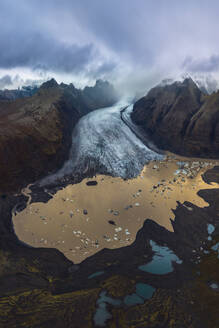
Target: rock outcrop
(179, 117)
(102, 94)
(34, 135)
(35, 132)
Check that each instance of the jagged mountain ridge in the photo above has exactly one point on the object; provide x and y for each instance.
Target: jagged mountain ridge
(181, 118)
(35, 131)
(207, 83)
(102, 94)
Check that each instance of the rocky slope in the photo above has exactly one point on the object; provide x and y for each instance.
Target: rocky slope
(102, 94)
(181, 118)
(92, 98)
(35, 132)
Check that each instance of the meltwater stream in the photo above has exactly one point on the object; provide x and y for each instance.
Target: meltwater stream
(103, 143)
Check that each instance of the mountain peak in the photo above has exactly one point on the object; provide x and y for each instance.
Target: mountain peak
(100, 83)
(189, 82)
(49, 84)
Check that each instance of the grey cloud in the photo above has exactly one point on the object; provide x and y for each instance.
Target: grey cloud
(210, 64)
(40, 52)
(116, 39)
(11, 82)
(103, 70)
(5, 81)
(27, 42)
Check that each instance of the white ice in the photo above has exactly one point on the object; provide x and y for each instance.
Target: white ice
(102, 142)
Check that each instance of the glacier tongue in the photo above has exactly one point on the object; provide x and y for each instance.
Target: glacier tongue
(103, 143)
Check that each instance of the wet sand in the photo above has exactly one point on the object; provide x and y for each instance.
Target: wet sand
(81, 220)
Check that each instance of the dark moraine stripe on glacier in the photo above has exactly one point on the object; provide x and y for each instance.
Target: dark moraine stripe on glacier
(137, 129)
(103, 143)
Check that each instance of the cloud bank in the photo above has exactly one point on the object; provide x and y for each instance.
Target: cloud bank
(134, 43)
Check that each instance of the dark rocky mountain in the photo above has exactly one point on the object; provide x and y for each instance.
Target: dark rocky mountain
(35, 131)
(102, 94)
(179, 117)
(91, 95)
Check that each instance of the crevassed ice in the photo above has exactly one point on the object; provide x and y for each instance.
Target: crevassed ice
(103, 142)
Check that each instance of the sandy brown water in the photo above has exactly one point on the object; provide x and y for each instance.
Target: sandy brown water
(76, 219)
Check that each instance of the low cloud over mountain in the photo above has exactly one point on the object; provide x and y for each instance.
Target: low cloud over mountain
(134, 45)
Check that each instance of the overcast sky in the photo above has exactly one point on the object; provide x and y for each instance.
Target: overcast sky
(134, 43)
